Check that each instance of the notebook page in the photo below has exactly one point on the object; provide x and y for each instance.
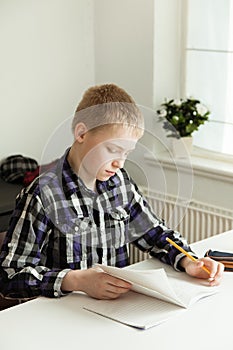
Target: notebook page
(153, 283)
(134, 309)
(190, 289)
(187, 288)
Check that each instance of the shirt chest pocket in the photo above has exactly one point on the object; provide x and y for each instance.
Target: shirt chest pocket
(117, 226)
(77, 234)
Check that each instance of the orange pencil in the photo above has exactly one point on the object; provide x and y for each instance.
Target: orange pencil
(186, 253)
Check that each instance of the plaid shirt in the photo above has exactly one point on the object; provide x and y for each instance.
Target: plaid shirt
(58, 224)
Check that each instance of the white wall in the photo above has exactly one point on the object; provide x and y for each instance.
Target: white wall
(46, 62)
(124, 46)
(168, 57)
(52, 50)
(137, 46)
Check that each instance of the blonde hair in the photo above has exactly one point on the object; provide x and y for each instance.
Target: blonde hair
(108, 104)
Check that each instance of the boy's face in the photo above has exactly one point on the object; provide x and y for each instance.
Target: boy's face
(104, 151)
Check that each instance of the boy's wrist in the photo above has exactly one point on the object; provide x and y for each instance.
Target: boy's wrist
(71, 281)
(184, 262)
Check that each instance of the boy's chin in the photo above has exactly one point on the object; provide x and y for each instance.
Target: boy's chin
(104, 177)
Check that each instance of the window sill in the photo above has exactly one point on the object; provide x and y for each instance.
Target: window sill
(203, 163)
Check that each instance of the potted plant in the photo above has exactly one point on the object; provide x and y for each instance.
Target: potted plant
(181, 117)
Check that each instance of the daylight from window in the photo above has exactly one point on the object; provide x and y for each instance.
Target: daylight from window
(209, 69)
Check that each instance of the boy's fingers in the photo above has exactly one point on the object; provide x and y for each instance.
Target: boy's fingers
(119, 283)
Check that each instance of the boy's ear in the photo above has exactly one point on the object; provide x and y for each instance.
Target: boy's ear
(79, 131)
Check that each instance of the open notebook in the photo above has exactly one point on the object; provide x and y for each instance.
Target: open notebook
(156, 296)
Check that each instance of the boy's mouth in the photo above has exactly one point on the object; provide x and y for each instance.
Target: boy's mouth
(110, 173)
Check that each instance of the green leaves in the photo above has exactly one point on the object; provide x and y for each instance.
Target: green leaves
(182, 117)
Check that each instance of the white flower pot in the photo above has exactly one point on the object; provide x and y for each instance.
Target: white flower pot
(181, 148)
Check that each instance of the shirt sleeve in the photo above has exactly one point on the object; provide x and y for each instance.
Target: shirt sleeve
(23, 271)
(153, 232)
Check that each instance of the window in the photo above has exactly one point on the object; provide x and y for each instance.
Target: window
(209, 69)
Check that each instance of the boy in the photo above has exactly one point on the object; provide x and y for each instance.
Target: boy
(85, 211)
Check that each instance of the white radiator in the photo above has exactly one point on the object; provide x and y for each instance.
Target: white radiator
(195, 220)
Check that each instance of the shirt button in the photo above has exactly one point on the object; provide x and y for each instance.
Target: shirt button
(76, 228)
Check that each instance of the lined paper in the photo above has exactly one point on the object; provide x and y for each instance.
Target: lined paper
(155, 296)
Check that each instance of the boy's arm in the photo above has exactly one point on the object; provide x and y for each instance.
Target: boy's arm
(152, 231)
(22, 274)
(154, 241)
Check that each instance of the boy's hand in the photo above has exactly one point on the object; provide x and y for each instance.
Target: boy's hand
(95, 283)
(194, 269)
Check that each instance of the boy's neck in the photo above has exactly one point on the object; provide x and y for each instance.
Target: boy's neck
(74, 162)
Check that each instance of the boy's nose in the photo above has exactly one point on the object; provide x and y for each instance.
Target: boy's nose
(118, 163)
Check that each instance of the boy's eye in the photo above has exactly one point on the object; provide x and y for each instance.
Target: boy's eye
(112, 149)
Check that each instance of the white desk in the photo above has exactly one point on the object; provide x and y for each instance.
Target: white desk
(63, 324)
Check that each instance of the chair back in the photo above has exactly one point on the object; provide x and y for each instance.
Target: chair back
(2, 236)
